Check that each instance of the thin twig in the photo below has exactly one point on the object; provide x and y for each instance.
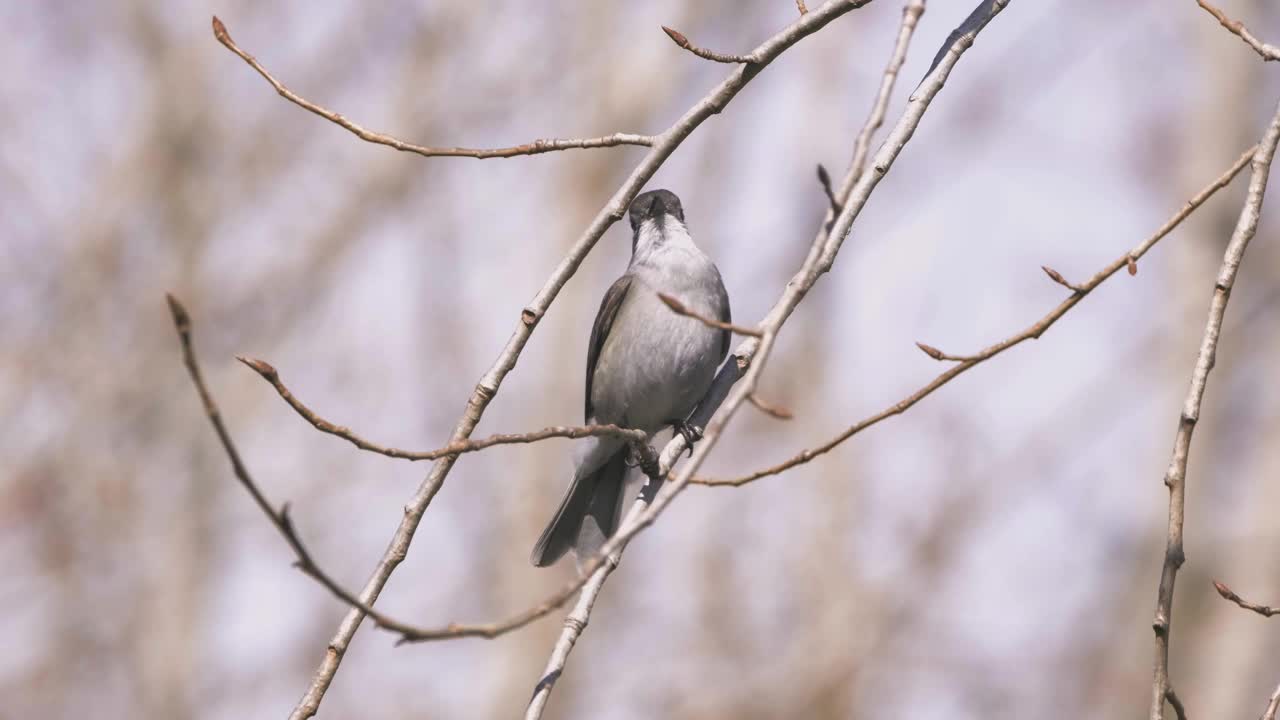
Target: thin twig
(279, 518)
(774, 411)
(680, 308)
(283, 523)
(678, 38)
(1176, 702)
(1272, 705)
(801, 7)
(536, 147)
(970, 361)
(1268, 52)
(271, 375)
(663, 146)
(1176, 476)
(1229, 594)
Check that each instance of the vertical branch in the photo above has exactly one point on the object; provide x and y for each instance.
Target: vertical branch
(1176, 475)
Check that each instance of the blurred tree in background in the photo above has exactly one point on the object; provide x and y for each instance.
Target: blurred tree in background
(993, 553)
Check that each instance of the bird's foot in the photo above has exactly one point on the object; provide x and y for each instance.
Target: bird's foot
(644, 457)
(690, 432)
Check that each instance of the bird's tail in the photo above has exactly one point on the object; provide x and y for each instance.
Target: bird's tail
(590, 511)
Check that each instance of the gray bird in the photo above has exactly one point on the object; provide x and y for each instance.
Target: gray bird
(647, 368)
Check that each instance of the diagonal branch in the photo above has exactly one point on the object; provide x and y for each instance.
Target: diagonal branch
(281, 520)
(1176, 475)
(1268, 52)
(458, 447)
(1229, 594)
(1272, 705)
(663, 146)
(970, 361)
(537, 147)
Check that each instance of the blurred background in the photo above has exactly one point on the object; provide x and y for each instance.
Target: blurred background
(993, 553)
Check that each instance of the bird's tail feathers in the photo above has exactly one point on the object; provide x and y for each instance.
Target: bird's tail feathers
(590, 510)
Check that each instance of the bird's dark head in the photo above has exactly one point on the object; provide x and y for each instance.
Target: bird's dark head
(655, 205)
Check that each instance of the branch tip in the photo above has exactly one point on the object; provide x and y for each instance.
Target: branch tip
(931, 351)
(180, 317)
(674, 304)
(261, 367)
(677, 37)
(824, 179)
(773, 411)
(220, 32)
(1056, 276)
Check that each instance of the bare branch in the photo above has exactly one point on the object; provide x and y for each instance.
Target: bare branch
(678, 38)
(1031, 332)
(680, 308)
(773, 411)
(1268, 52)
(1272, 705)
(1176, 475)
(1176, 702)
(712, 103)
(911, 14)
(457, 447)
(284, 525)
(536, 147)
(279, 519)
(1228, 594)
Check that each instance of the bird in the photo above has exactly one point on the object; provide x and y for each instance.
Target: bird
(647, 368)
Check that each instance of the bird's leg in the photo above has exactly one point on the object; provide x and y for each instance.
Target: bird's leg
(690, 432)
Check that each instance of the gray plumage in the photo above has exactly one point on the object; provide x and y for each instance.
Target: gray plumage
(647, 367)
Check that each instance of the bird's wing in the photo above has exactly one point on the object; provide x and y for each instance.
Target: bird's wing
(726, 316)
(600, 330)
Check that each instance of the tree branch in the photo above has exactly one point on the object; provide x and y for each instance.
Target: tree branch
(271, 375)
(537, 147)
(774, 411)
(1176, 475)
(967, 362)
(1268, 52)
(1229, 594)
(1272, 705)
(284, 525)
(678, 38)
(680, 308)
(663, 146)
